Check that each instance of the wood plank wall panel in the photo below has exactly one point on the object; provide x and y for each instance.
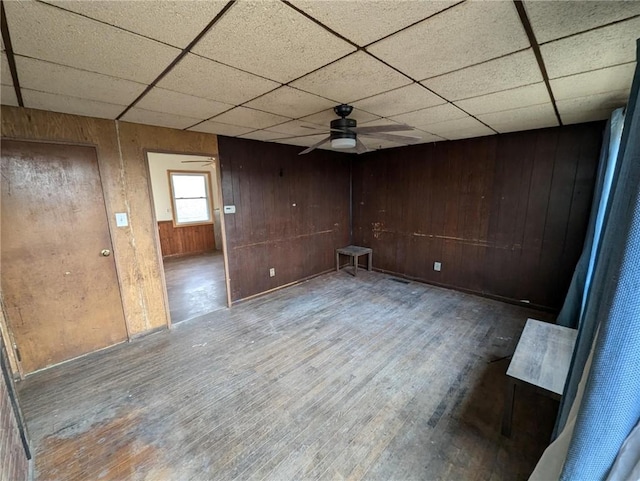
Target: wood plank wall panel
(185, 240)
(123, 168)
(505, 215)
(292, 212)
(14, 465)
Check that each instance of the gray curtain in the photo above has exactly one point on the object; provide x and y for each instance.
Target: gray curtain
(573, 307)
(610, 407)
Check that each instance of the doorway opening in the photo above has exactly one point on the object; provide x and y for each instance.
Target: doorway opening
(186, 199)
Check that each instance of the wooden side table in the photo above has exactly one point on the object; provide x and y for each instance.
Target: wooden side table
(354, 252)
(541, 360)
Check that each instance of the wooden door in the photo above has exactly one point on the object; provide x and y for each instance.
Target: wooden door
(61, 293)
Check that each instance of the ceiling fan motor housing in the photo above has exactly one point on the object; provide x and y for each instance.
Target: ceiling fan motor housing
(343, 125)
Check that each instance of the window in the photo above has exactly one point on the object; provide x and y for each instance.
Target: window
(191, 197)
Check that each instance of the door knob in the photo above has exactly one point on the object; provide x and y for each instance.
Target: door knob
(105, 252)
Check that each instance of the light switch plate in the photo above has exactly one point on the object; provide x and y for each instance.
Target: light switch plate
(229, 209)
(121, 219)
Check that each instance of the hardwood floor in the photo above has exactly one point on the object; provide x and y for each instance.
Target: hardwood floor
(335, 378)
(195, 285)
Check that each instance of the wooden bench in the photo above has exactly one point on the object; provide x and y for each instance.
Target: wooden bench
(541, 360)
(354, 252)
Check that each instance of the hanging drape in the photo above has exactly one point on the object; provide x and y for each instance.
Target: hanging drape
(607, 408)
(573, 311)
(573, 307)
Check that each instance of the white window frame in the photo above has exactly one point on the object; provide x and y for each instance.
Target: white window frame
(195, 173)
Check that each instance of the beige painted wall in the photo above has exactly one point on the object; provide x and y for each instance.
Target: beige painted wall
(160, 164)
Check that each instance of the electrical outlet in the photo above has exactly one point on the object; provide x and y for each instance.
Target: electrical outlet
(272, 272)
(437, 266)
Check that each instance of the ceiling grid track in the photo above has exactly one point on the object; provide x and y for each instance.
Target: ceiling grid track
(526, 24)
(269, 70)
(182, 54)
(6, 38)
(364, 49)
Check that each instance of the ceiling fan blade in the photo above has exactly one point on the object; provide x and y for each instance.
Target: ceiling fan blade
(314, 146)
(360, 147)
(403, 139)
(381, 128)
(323, 129)
(301, 136)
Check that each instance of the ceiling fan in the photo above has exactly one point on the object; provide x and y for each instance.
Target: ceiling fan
(344, 132)
(205, 163)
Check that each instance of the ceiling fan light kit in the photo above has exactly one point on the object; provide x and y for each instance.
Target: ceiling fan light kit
(343, 143)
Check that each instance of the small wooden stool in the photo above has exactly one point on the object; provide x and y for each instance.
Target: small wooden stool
(354, 252)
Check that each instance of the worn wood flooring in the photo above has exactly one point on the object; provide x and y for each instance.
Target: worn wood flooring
(195, 285)
(334, 378)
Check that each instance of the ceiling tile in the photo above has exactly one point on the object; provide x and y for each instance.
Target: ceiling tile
(45, 32)
(290, 102)
(245, 117)
(263, 135)
(593, 107)
(451, 40)
(142, 116)
(271, 39)
(592, 50)
(405, 99)
(325, 117)
(5, 72)
(204, 78)
(365, 21)
(8, 95)
(212, 127)
(525, 118)
(500, 74)
(459, 129)
(594, 82)
(168, 101)
(59, 79)
(296, 127)
(585, 116)
(431, 115)
(352, 78)
(507, 99)
(552, 20)
(69, 105)
(173, 22)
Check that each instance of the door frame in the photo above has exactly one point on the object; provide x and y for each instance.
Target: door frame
(11, 347)
(223, 233)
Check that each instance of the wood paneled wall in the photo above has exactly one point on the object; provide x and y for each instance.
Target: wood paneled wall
(14, 465)
(123, 168)
(185, 240)
(505, 215)
(292, 212)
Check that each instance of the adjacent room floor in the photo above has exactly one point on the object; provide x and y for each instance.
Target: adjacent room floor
(195, 285)
(335, 378)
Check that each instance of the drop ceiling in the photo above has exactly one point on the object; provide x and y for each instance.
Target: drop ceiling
(269, 70)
